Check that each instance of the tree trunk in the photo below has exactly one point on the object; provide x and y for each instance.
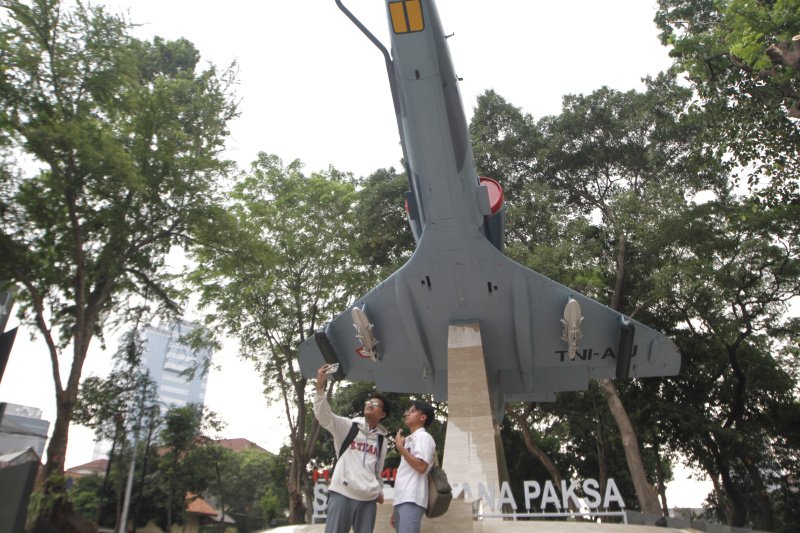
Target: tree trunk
(765, 502)
(616, 298)
(57, 449)
(602, 467)
(221, 525)
(537, 452)
(738, 516)
(645, 494)
(297, 509)
(662, 489)
(60, 516)
(644, 491)
(142, 476)
(120, 486)
(722, 501)
(104, 488)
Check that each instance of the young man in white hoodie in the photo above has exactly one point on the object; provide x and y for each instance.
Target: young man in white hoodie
(356, 486)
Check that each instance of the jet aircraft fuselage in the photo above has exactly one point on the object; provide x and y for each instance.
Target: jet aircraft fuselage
(458, 273)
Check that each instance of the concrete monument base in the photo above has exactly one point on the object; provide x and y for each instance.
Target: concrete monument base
(446, 524)
(472, 453)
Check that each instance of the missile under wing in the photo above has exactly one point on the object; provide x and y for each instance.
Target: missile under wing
(539, 337)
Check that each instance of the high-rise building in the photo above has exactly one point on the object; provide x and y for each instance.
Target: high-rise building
(170, 362)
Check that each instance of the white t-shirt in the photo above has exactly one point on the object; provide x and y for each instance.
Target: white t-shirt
(410, 485)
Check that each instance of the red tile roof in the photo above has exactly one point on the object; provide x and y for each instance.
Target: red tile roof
(237, 445)
(93, 467)
(199, 506)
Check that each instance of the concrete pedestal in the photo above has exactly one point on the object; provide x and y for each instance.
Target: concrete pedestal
(470, 452)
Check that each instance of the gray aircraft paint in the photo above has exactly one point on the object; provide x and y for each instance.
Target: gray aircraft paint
(456, 275)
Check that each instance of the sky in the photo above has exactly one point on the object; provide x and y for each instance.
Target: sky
(312, 87)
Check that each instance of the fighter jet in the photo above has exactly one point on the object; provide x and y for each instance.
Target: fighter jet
(539, 337)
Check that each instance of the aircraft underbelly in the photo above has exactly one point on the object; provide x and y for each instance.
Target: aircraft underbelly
(519, 313)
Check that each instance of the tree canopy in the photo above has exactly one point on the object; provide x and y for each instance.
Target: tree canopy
(109, 156)
(743, 58)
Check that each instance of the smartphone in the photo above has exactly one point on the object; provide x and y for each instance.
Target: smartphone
(332, 368)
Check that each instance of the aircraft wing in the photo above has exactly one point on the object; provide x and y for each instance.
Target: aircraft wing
(520, 315)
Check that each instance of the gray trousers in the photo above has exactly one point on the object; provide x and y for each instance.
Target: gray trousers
(344, 512)
(408, 517)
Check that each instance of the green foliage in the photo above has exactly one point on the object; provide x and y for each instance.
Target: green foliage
(606, 208)
(109, 157)
(124, 136)
(745, 66)
(736, 268)
(505, 142)
(282, 263)
(84, 495)
(383, 239)
(270, 506)
(125, 398)
(182, 435)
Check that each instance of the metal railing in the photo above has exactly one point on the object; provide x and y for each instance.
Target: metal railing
(515, 515)
(319, 518)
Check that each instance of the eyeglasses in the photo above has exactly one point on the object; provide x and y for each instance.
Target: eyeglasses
(373, 403)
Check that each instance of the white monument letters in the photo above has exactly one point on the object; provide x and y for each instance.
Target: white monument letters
(547, 495)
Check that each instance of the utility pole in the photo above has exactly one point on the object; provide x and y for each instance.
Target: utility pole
(123, 522)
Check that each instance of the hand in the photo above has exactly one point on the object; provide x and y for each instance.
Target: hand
(380, 497)
(399, 440)
(322, 378)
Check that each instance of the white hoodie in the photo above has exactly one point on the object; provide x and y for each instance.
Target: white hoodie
(357, 472)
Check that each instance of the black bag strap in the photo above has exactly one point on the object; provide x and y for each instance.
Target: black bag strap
(351, 435)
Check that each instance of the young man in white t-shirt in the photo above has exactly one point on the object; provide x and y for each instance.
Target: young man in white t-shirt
(416, 457)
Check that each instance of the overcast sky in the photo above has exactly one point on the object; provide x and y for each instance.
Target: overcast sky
(313, 88)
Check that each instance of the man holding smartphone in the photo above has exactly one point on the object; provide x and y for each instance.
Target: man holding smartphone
(356, 486)
(416, 457)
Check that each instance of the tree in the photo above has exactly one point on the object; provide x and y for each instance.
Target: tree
(185, 430)
(282, 266)
(383, 239)
(109, 155)
(743, 58)
(738, 269)
(85, 495)
(631, 157)
(626, 160)
(117, 407)
(208, 468)
(256, 478)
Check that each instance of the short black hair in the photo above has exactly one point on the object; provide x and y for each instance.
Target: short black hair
(426, 409)
(387, 405)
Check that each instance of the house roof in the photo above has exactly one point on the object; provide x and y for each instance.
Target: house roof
(237, 445)
(18, 457)
(93, 467)
(199, 506)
